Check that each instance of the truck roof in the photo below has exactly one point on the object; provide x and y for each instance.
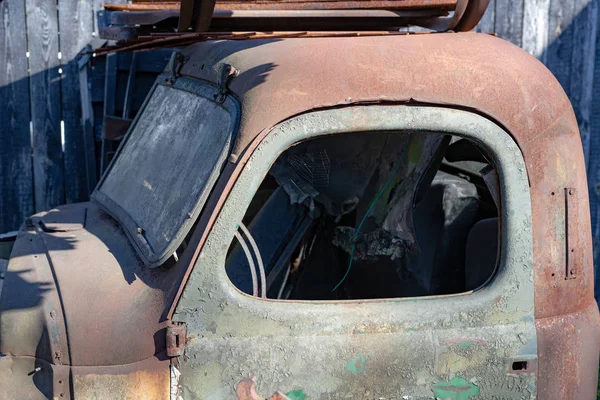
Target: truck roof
(281, 78)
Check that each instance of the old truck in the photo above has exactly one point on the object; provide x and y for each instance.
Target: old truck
(320, 215)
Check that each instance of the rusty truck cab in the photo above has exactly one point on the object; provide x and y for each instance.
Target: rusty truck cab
(132, 295)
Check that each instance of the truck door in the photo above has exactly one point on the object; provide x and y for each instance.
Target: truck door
(477, 343)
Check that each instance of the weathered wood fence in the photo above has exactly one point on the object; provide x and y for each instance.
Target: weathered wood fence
(52, 102)
(41, 106)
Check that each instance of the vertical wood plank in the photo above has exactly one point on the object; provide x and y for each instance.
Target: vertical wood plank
(593, 169)
(509, 20)
(560, 41)
(582, 66)
(42, 33)
(130, 87)
(76, 25)
(87, 116)
(16, 175)
(535, 27)
(110, 90)
(487, 23)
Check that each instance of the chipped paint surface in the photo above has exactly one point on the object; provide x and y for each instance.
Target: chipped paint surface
(357, 364)
(324, 347)
(456, 389)
(296, 394)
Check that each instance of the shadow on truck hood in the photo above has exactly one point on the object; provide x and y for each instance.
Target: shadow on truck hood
(75, 293)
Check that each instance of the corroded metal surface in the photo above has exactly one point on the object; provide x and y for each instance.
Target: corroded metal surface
(367, 349)
(160, 40)
(245, 391)
(113, 311)
(529, 103)
(145, 380)
(330, 15)
(568, 357)
(294, 5)
(33, 378)
(85, 287)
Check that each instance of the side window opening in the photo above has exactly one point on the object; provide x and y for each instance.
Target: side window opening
(370, 215)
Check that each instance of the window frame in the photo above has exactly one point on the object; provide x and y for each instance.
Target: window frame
(199, 88)
(515, 258)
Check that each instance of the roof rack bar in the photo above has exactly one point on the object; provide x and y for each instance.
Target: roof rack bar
(153, 17)
(445, 5)
(190, 16)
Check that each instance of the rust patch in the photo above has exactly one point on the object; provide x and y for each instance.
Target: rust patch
(568, 356)
(245, 391)
(176, 339)
(148, 379)
(293, 5)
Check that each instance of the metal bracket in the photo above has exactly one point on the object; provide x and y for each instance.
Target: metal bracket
(174, 66)
(228, 73)
(176, 339)
(571, 234)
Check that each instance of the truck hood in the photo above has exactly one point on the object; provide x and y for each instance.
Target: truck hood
(75, 292)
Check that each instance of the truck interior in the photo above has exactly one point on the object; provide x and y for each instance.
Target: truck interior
(370, 216)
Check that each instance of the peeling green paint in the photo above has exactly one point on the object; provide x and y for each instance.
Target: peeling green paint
(296, 394)
(465, 345)
(457, 389)
(357, 364)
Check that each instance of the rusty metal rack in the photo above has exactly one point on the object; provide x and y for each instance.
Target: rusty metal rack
(153, 24)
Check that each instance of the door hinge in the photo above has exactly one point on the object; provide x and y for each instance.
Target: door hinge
(226, 75)
(176, 339)
(174, 66)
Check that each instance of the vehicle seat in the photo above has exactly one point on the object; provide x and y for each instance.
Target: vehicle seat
(443, 220)
(481, 253)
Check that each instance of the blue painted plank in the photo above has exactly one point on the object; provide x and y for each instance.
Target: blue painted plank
(508, 20)
(76, 27)
(48, 169)
(16, 174)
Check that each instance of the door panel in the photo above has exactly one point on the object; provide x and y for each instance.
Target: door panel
(474, 345)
